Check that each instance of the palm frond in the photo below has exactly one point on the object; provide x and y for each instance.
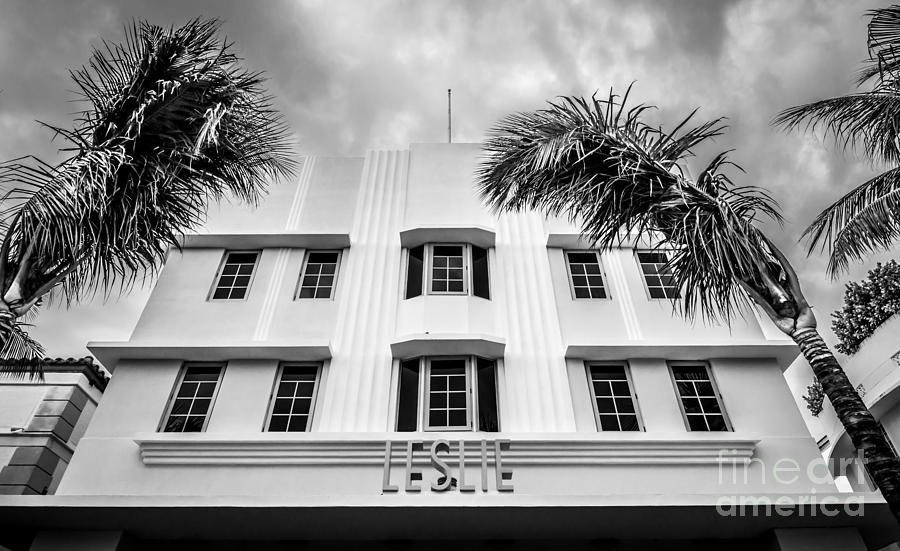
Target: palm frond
(864, 220)
(869, 119)
(173, 123)
(20, 355)
(595, 162)
(884, 45)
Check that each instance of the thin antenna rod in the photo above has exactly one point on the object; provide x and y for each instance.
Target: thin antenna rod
(449, 119)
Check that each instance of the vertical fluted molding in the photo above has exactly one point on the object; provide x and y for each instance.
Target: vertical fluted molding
(359, 373)
(535, 369)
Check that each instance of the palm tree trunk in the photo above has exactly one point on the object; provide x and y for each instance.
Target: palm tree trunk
(865, 432)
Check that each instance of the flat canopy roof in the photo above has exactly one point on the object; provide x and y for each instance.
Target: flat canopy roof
(474, 517)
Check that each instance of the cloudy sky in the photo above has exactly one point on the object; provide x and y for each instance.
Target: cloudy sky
(352, 76)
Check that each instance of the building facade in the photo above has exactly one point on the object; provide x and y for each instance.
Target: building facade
(370, 358)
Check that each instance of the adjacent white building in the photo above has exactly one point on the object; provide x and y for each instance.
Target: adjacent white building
(42, 420)
(875, 371)
(372, 356)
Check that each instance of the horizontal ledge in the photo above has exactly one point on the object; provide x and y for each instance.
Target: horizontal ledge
(286, 240)
(270, 449)
(578, 241)
(110, 353)
(568, 241)
(783, 352)
(445, 344)
(476, 235)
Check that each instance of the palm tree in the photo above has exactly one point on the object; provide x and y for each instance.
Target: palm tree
(171, 123)
(867, 218)
(596, 163)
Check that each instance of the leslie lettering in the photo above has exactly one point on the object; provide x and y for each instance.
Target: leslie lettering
(451, 473)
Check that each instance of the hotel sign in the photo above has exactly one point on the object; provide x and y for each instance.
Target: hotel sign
(451, 473)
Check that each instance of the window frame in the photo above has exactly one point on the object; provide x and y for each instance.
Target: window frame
(423, 400)
(471, 414)
(715, 386)
(603, 279)
(267, 421)
(634, 398)
(177, 387)
(215, 284)
(637, 260)
(337, 271)
(429, 268)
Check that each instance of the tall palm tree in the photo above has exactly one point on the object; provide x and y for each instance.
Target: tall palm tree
(867, 218)
(598, 164)
(171, 123)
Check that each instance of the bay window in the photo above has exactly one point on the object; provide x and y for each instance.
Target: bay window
(447, 269)
(457, 393)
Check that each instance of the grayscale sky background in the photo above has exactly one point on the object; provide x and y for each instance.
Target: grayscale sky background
(352, 76)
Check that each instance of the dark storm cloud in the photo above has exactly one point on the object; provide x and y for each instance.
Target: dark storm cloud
(355, 75)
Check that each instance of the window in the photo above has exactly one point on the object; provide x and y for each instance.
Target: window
(452, 394)
(586, 274)
(700, 401)
(319, 274)
(189, 408)
(234, 277)
(614, 404)
(294, 397)
(447, 399)
(657, 275)
(448, 269)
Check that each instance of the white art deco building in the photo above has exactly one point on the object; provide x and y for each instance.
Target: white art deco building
(372, 360)
(875, 368)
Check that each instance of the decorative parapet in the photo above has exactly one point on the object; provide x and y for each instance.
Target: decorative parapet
(86, 366)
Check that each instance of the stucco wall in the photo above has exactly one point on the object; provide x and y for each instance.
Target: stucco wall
(531, 314)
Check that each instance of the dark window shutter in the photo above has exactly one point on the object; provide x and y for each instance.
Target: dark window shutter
(480, 284)
(414, 270)
(408, 397)
(488, 420)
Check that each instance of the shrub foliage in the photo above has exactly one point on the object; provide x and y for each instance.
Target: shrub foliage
(867, 304)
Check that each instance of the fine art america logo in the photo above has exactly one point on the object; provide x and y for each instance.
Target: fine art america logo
(450, 473)
(790, 474)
